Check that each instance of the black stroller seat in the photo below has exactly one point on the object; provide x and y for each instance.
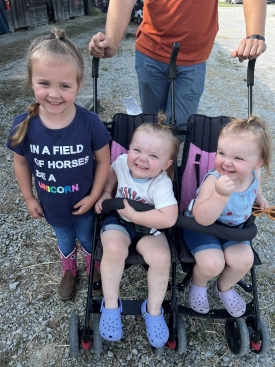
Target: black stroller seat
(249, 332)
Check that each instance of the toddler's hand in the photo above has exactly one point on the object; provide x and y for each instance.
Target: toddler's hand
(128, 211)
(83, 206)
(261, 201)
(34, 208)
(224, 186)
(98, 205)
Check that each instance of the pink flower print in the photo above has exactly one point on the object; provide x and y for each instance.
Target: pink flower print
(228, 212)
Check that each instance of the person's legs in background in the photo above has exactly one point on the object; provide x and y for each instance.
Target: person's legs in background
(153, 83)
(155, 91)
(189, 87)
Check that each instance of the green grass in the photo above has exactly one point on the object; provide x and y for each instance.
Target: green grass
(222, 4)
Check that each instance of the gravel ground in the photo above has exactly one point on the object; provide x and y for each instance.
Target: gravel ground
(34, 323)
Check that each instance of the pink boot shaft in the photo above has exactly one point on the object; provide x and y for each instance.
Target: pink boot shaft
(88, 258)
(69, 262)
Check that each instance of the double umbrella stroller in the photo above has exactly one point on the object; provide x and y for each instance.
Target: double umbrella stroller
(243, 334)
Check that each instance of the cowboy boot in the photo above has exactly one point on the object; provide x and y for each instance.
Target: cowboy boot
(97, 288)
(69, 273)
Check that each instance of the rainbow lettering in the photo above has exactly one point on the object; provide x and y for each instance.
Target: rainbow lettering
(58, 189)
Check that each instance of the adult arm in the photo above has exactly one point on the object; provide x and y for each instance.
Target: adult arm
(118, 17)
(24, 179)
(102, 157)
(255, 15)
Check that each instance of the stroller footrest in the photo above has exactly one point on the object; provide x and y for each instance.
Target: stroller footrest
(217, 313)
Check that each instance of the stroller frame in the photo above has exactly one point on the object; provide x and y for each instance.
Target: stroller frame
(242, 334)
(250, 331)
(129, 307)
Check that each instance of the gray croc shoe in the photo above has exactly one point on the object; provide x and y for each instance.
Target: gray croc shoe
(197, 298)
(234, 304)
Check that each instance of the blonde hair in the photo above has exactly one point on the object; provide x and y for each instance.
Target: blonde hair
(258, 129)
(161, 128)
(58, 47)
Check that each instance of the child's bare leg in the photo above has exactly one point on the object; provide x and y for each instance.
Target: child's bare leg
(209, 263)
(115, 250)
(156, 253)
(239, 260)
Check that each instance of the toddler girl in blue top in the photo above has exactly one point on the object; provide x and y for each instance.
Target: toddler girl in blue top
(227, 195)
(64, 147)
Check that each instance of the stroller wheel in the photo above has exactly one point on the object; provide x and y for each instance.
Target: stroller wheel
(97, 338)
(237, 336)
(263, 346)
(181, 336)
(74, 336)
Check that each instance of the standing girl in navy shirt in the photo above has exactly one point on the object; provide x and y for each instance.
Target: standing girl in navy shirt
(64, 147)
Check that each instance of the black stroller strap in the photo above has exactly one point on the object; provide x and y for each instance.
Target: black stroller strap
(139, 230)
(197, 168)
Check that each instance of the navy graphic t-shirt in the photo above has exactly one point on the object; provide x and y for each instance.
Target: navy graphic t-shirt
(62, 162)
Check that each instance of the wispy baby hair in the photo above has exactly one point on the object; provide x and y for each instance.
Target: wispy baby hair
(55, 46)
(161, 128)
(256, 127)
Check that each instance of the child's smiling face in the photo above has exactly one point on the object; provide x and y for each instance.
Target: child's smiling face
(237, 156)
(149, 154)
(55, 86)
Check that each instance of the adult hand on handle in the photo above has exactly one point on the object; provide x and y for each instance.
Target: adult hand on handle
(249, 48)
(102, 46)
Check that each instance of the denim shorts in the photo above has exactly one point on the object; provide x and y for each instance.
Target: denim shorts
(113, 223)
(196, 241)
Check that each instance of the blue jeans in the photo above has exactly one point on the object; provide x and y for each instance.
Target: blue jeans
(83, 230)
(155, 91)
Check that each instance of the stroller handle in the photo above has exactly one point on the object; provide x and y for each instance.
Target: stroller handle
(250, 83)
(173, 59)
(95, 63)
(250, 72)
